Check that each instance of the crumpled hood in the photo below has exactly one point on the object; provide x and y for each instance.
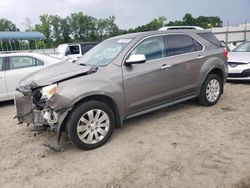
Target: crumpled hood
(55, 73)
(240, 57)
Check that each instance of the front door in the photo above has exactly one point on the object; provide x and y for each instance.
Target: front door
(149, 83)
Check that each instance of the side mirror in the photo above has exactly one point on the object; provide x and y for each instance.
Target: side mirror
(136, 59)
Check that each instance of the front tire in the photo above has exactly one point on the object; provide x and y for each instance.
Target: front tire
(211, 90)
(90, 124)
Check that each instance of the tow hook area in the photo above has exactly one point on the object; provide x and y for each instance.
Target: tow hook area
(51, 117)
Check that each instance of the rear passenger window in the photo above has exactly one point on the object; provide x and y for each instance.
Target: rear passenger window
(1, 63)
(24, 62)
(152, 48)
(179, 44)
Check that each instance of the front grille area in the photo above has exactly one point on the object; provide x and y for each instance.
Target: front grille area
(24, 109)
(235, 64)
(238, 63)
(245, 73)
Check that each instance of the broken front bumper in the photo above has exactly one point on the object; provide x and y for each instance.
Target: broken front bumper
(26, 112)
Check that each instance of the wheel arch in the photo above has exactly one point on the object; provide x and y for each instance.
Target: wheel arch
(218, 72)
(97, 97)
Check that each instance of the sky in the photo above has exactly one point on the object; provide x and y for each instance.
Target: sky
(128, 13)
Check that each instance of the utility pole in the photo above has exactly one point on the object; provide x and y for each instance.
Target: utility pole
(245, 31)
(227, 31)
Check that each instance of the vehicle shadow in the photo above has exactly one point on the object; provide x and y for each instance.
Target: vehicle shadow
(161, 112)
(6, 103)
(134, 122)
(245, 82)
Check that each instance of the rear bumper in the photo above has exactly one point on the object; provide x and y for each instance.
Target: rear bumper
(26, 112)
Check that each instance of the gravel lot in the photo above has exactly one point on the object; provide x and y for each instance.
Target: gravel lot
(186, 145)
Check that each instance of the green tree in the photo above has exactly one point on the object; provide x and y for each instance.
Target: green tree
(155, 24)
(45, 28)
(188, 19)
(112, 28)
(55, 22)
(78, 25)
(202, 21)
(65, 30)
(101, 29)
(91, 32)
(7, 25)
(107, 28)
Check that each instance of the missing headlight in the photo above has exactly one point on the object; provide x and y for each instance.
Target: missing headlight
(37, 99)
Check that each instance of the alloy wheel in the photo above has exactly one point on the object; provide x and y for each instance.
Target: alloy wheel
(93, 126)
(213, 90)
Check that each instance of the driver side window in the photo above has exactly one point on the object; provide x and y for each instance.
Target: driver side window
(153, 48)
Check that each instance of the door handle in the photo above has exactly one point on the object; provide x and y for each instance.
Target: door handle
(164, 67)
(200, 57)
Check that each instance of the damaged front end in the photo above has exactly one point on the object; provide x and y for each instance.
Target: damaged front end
(43, 102)
(33, 107)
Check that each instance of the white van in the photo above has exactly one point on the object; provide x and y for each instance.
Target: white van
(73, 51)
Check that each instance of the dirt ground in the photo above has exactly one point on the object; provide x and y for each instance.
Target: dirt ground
(186, 145)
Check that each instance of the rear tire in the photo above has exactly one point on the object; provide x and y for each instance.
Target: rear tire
(90, 124)
(211, 90)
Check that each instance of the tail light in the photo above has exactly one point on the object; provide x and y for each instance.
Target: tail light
(225, 52)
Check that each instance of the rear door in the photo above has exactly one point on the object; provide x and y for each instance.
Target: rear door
(186, 57)
(3, 90)
(18, 68)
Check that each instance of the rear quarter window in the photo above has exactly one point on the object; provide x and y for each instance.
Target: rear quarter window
(1, 63)
(210, 38)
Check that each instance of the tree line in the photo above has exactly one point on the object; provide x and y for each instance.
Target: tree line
(80, 27)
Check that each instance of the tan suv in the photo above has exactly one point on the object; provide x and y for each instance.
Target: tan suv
(123, 77)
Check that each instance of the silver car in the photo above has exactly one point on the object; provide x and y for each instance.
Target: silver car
(239, 62)
(120, 78)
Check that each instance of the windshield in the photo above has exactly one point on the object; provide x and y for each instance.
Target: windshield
(244, 47)
(104, 53)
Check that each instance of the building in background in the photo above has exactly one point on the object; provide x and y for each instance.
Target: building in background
(233, 34)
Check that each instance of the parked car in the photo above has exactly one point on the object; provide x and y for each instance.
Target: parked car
(123, 77)
(73, 51)
(15, 66)
(239, 62)
(180, 27)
